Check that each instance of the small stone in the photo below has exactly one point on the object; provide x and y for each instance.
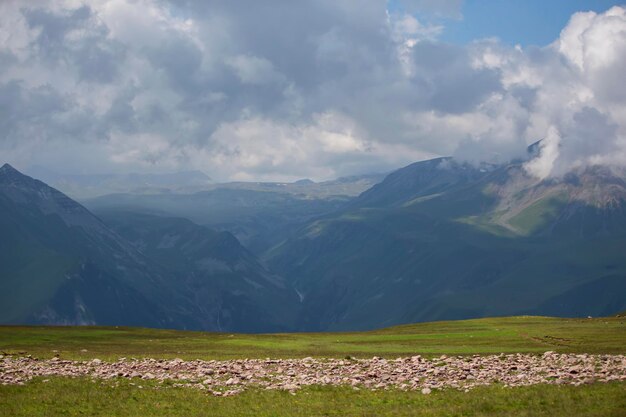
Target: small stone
(426, 391)
(232, 381)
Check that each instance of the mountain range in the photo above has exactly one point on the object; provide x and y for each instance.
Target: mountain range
(259, 214)
(444, 240)
(438, 239)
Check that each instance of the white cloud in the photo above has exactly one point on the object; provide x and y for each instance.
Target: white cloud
(586, 101)
(330, 145)
(316, 88)
(542, 166)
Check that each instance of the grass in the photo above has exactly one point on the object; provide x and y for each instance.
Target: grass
(482, 336)
(80, 397)
(539, 213)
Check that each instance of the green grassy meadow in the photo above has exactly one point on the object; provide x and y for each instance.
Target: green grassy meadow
(84, 397)
(80, 397)
(481, 336)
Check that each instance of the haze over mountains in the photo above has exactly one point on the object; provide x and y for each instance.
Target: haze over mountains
(259, 214)
(86, 186)
(438, 239)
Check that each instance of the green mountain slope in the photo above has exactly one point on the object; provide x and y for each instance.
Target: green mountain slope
(63, 265)
(57, 257)
(442, 240)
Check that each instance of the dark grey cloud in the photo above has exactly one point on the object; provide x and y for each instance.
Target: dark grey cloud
(25, 110)
(448, 77)
(53, 27)
(590, 134)
(98, 63)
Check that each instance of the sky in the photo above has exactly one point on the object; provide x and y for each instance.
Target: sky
(282, 90)
(523, 22)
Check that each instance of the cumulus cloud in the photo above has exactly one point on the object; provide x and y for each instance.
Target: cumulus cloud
(285, 90)
(583, 97)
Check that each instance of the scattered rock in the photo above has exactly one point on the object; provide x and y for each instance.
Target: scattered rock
(226, 378)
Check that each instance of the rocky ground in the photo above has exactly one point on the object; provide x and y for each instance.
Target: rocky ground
(412, 373)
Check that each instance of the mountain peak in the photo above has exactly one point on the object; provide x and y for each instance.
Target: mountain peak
(8, 173)
(7, 168)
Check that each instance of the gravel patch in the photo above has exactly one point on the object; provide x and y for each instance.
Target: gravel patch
(224, 378)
